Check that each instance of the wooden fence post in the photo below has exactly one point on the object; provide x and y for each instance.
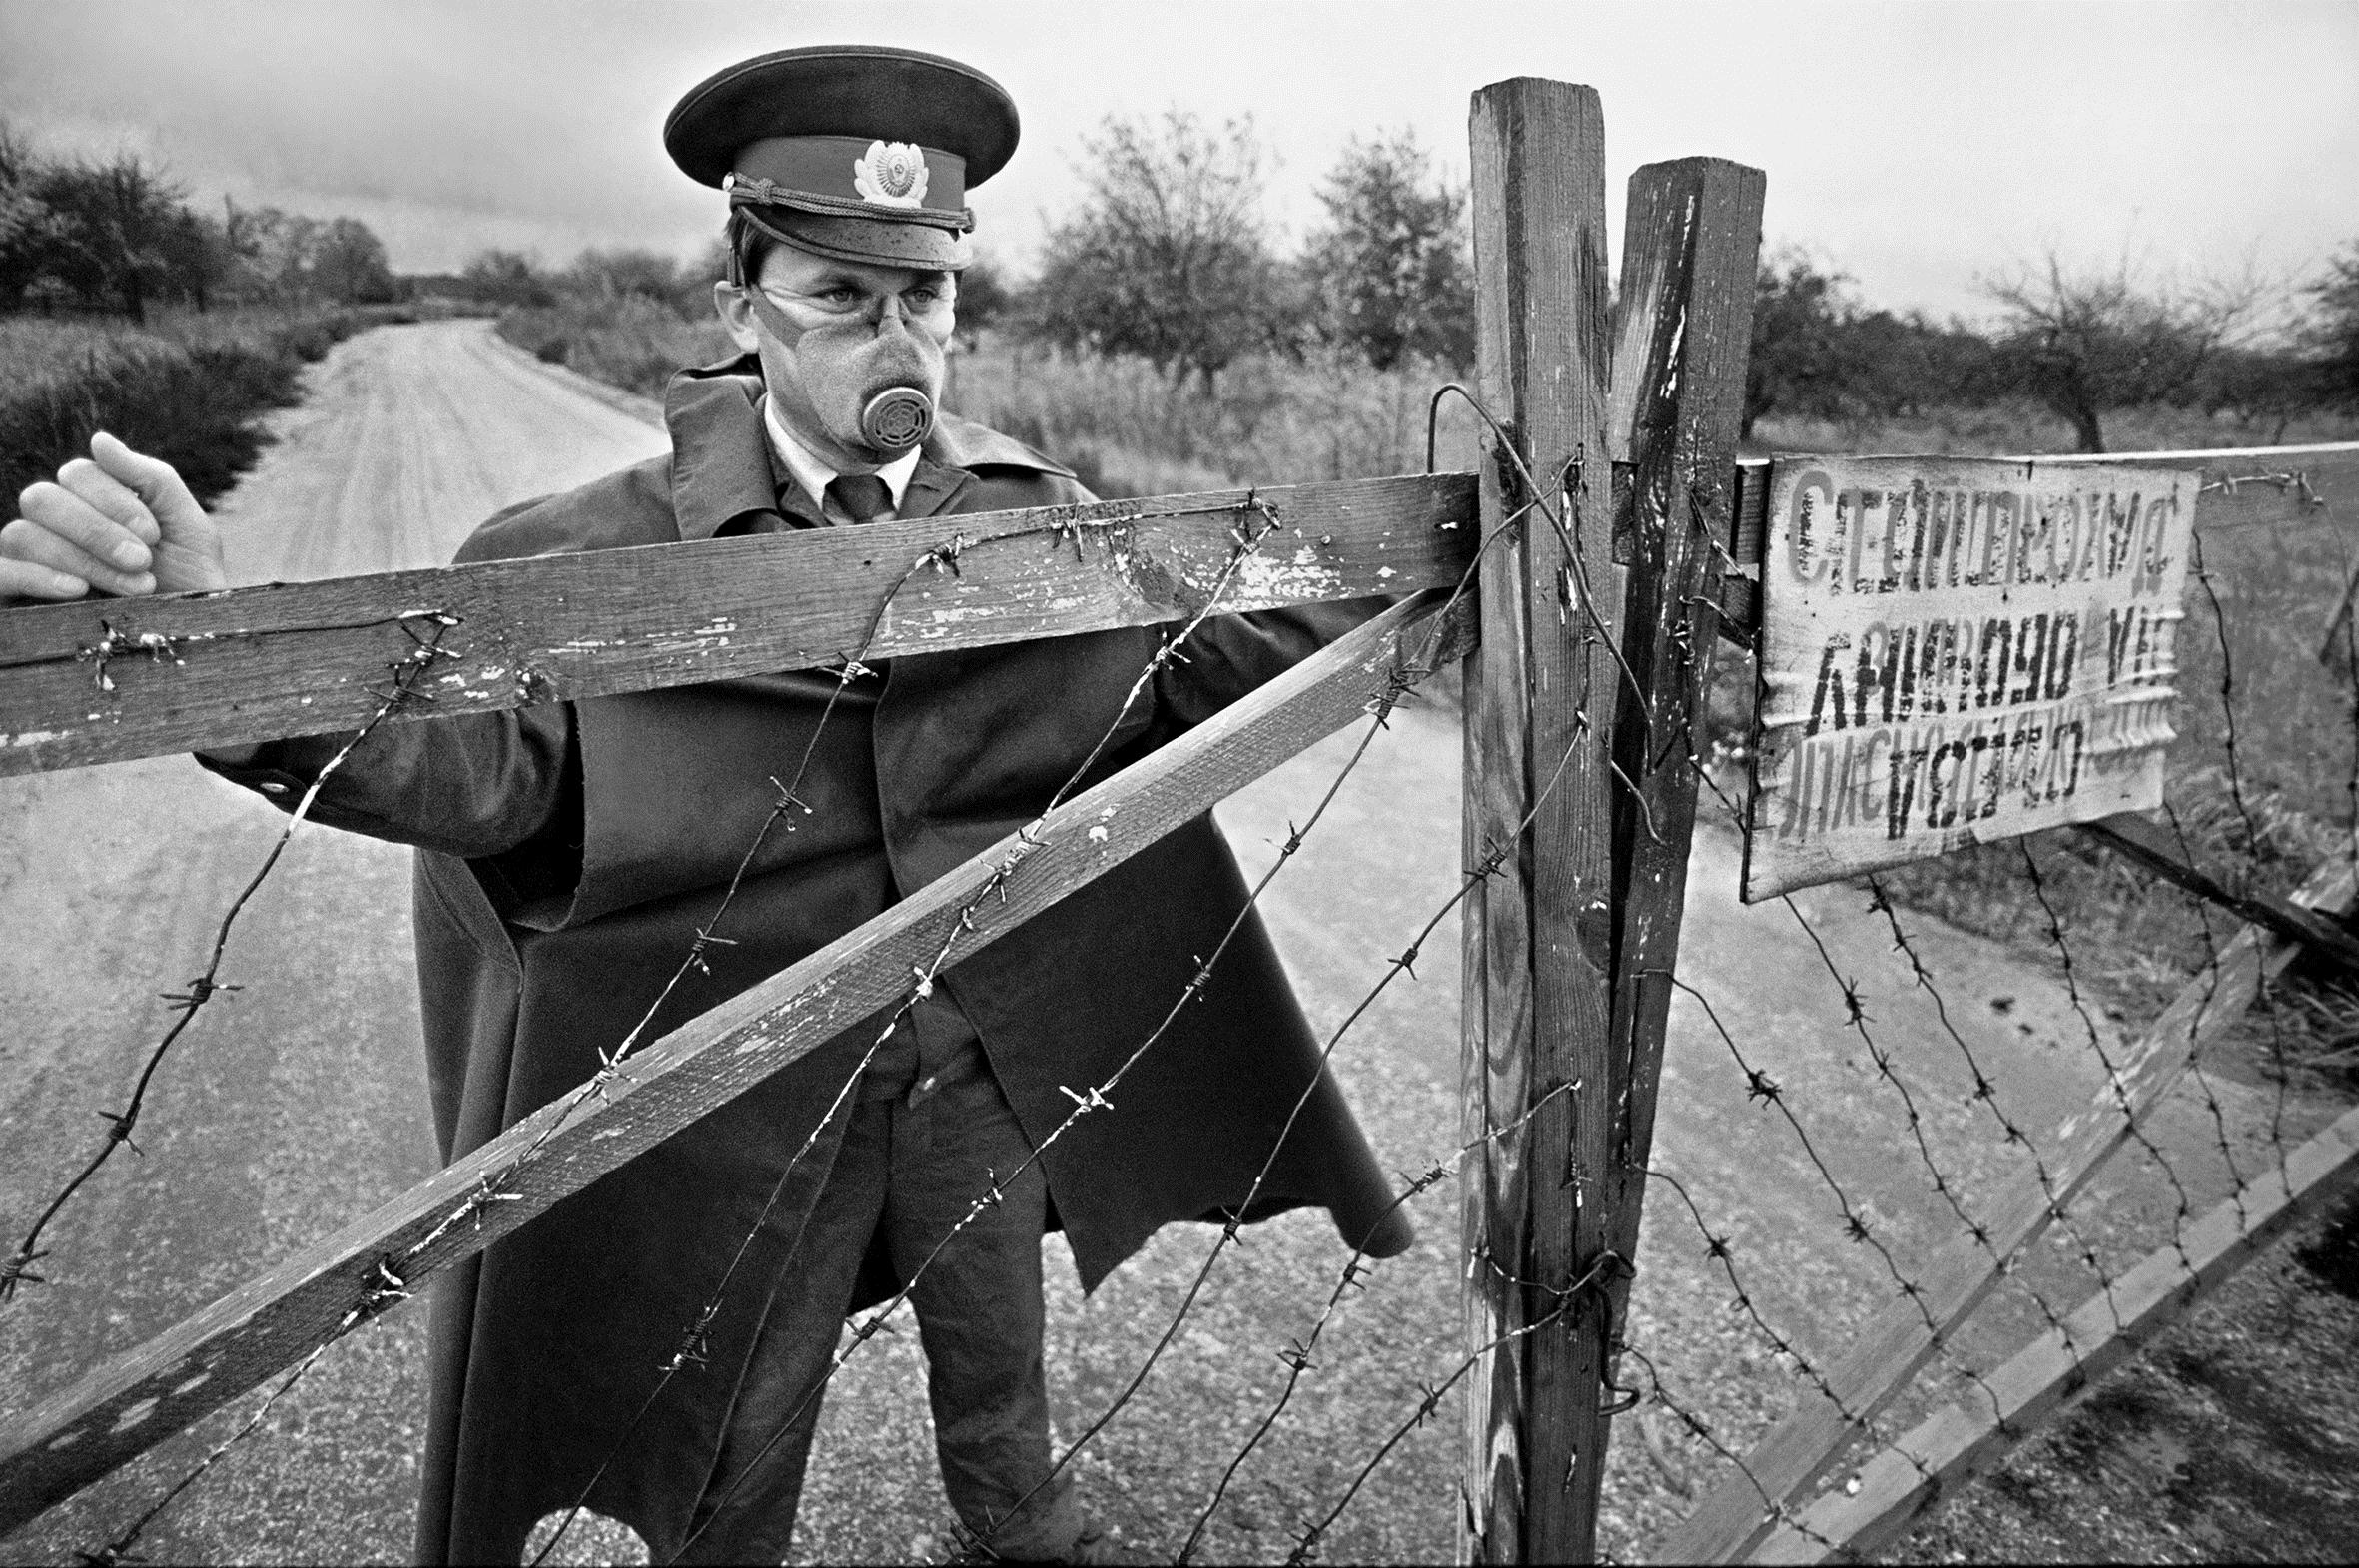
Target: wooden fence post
(1690, 243)
(1580, 796)
(1538, 931)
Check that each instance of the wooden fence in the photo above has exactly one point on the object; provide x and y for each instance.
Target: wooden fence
(1615, 538)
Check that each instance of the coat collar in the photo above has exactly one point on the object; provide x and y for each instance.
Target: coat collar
(723, 467)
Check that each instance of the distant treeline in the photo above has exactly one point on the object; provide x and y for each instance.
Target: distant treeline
(1170, 258)
(2082, 344)
(117, 234)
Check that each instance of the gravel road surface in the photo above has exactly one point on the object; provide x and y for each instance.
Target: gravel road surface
(298, 1101)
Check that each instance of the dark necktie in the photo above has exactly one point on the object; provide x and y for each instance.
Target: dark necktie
(863, 497)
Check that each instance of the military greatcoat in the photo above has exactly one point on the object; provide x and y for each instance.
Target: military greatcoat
(570, 853)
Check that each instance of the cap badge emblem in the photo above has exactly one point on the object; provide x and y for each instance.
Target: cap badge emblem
(891, 174)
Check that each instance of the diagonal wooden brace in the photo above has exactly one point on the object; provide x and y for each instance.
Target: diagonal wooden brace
(143, 1395)
(2132, 834)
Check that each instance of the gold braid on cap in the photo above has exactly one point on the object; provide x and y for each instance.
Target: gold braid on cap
(754, 191)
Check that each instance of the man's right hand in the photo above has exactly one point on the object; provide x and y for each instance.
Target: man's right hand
(117, 520)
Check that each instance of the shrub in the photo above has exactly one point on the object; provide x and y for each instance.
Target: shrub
(625, 340)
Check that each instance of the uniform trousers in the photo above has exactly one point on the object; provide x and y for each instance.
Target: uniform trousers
(925, 1137)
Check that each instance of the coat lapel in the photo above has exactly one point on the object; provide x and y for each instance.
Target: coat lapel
(933, 489)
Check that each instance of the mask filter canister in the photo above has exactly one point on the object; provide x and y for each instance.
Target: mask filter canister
(897, 418)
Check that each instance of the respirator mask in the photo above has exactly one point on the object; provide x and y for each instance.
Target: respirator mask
(867, 372)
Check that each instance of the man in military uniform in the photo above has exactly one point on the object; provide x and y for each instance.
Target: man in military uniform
(572, 851)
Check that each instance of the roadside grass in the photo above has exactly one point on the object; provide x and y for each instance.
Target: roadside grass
(626, 341)
(186, 386)
(1130, 431)
(1121, 426)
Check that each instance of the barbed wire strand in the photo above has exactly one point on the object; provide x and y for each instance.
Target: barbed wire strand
(405, 671)
(2055, 931)
(494, 1189)
(1760, 1085)
(1308, 1542)
(2252, 837)
(1985, 1092)
(1405, 674)
(385, 1290)
(2211, 972)
(1298, 1357)
(1716, 1249)
(1773, 1511)
(1404, 963)
(1246, 545)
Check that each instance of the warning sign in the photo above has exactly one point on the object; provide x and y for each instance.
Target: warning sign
(1957, 650)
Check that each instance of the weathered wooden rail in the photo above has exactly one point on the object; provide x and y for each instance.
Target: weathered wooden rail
(1955, 1443)
(102, 680)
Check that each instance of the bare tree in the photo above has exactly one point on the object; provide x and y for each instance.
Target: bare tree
(2087, 343)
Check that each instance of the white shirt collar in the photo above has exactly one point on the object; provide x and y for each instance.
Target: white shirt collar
(812, 474)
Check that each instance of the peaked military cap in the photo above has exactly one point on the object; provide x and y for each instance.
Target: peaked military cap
(852, 150)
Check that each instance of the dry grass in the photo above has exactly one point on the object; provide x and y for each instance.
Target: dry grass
(628, 340)
(185, 387)
(1127, 428)
(1130, 430)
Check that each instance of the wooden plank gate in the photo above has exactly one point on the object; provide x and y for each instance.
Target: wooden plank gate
(1606, 484)
(1615, 538)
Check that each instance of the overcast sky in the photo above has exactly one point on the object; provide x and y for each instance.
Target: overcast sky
(1918, 147)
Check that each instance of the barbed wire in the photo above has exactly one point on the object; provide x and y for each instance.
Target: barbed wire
(1404, 963)
(1070, 527)
(1595, 1279)
(1097, 1096)
(1298, 1355)
(1774, 1509)
(1405, 672)
(2211, 975)
(401, 691)
(2129, 1114)
(2283, 1071)
(1578, 605)
(1985, 1093)
(385, 1290)
(1760, 1085)
(1246, 545)
(1716, 1249)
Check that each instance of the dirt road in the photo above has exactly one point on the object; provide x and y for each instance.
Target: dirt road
(297, 1100)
